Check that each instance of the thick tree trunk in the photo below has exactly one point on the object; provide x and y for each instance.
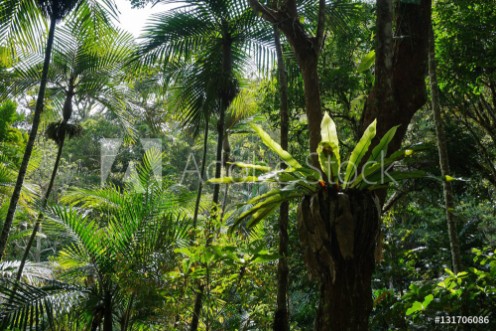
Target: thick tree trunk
(107, 313)
(409, 68)
(442, 147)
(281, 318)
(339, 234)
(346, 301)
(29, 146)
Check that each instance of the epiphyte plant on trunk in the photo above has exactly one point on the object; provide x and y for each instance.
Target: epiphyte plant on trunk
(337, 209)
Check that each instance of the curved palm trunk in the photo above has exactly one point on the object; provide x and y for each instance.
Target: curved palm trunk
(44, 203)
(60, 139)
(281, 318)
(29, 146)
(442, 148)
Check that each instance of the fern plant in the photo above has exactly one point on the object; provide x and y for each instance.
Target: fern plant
(299, 180)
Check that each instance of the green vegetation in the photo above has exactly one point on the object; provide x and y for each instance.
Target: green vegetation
(248, 165)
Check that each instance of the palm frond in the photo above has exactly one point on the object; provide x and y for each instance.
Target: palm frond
(26, 307)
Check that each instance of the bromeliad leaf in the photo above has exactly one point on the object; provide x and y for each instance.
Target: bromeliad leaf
(359, 152)
(275, 147)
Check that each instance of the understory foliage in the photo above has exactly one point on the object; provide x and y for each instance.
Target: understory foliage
(130, 237)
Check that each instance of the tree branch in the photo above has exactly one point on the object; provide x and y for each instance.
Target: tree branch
(267, 13)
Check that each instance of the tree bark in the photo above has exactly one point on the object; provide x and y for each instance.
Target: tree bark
(409, 68)
(227, 93)
(30, 144)
(202, 174)
(339, 233)
(107, 313)
(442, 147)
(44, 203)
(281, 318)
(342, 251)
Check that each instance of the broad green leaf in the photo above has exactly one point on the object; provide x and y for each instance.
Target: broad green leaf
(359, 152)
(251, 166)
(266, 206)
(417, 306)
(427, 300)
(367, 62)
(231, 180)
(275, 147)
(382, 146)
(329, 146)
(381, 179)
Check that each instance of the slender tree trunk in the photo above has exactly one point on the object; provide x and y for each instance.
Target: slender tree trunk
(197, 308)
(127, 314)
(281, 318)
(30, 144)
(44, 203)
(449, 203)
(202, 173)
(227, 93)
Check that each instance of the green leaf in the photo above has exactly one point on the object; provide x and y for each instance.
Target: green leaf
(359, 152)
(382, 146)
(367, 62)
(417, 306)
(231, 180)
(328, 149)
(275, 147)
(266, 204)
(427, 300)
(382, 179)
(251, 166)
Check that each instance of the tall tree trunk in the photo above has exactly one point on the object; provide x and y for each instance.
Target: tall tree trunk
(30, 144)
(59, 138)
(281, 318)
(227, 93)
(107, 312)
(44, 203)
(202, 173)
(442, 148)
(409, 67)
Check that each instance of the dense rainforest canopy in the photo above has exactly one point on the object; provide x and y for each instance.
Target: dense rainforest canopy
(248, 165)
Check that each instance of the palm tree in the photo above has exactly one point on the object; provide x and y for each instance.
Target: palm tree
(13, 20)
(79, 71)
(122, 244)
(216, 37)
